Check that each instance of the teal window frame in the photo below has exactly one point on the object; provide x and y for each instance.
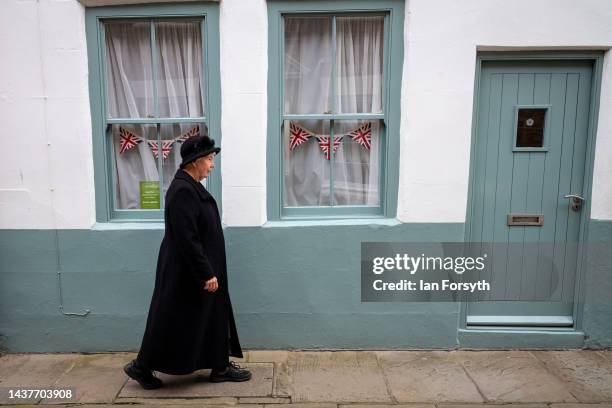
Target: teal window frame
(393, 57)
(102, 148)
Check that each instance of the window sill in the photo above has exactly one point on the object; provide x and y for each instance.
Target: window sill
(332, 222)
(98, 3)
(125, 226)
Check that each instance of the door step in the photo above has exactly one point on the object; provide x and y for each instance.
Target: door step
(484, 320)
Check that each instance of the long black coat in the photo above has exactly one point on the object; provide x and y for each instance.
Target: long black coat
(189, 328)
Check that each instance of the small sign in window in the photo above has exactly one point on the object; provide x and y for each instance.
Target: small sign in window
(530, 127)
(149, 195)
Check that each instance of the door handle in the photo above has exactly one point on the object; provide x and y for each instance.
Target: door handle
(576, 201)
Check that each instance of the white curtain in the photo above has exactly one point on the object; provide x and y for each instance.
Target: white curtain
(129, 78)
(308, 74)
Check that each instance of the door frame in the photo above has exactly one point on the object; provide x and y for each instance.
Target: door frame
(597, 59)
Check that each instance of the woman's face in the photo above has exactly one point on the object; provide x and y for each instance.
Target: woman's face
(204, 165)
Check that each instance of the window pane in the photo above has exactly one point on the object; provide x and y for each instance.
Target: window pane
(135, 173)
(129, 88)
(179, 69)
(530, 127)
(173, 137)
(306, 163)
(308, 53)
(357, 162)
(359, 62)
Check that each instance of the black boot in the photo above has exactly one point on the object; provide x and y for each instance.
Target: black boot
(233, 372)
(144, 376)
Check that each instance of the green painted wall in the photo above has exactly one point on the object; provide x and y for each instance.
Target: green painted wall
(292, 287)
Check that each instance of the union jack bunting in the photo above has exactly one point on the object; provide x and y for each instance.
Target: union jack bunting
(324, 144)
(298, 136)
(128, 140)
(195, 131)
(363, 135)
(166, 148)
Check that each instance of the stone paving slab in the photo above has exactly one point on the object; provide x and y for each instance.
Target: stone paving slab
(64, 406)
(306, 405)
(197, 385)
(264, 400)
(268, 356)
(518, 405)
(513, 376)
(336, 376)
(282, 380)
(32, 371)
(217, 401)
(576, 405)
(193, 403)
(386, 406)
(427, 376)
(96, 378)
(587, 374)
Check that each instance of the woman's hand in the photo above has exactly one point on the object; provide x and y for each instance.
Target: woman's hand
(211, 285)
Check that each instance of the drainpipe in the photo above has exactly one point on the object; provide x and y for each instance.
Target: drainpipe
(59, 281)
(50, 179)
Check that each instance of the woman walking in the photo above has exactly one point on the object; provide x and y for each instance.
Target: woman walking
(190, 325)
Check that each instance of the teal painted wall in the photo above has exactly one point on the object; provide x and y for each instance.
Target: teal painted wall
(292, 287)
(597, 318)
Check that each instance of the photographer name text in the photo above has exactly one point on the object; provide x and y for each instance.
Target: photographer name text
(421, 285)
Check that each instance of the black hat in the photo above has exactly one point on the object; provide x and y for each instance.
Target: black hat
(196, 147)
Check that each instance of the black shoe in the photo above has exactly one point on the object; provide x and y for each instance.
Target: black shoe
(233, 372)
(145, 377)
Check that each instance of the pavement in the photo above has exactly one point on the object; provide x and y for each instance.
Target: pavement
(329, 379)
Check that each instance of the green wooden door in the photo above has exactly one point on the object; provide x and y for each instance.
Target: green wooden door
(529, 154)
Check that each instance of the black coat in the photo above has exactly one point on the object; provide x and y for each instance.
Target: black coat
(189, 328)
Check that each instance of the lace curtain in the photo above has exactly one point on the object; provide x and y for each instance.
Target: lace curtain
(308, 90)
(130, 94)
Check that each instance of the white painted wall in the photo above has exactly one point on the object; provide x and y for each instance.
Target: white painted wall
(244, 63)
(46, 169)
(44, 99)
(601, 206)
(442, 37)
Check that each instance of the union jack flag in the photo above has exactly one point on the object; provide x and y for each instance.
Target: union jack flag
(363, 135)
(324, 144)
(298, 136)
(128, 140)
(166, 148)
(191, 132)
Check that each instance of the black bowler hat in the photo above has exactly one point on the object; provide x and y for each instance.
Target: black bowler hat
(196, 147)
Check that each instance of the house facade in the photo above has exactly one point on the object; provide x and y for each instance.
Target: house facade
(340, 122)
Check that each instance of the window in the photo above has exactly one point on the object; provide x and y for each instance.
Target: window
(530, 128)
(332, 135)
(151, 67)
